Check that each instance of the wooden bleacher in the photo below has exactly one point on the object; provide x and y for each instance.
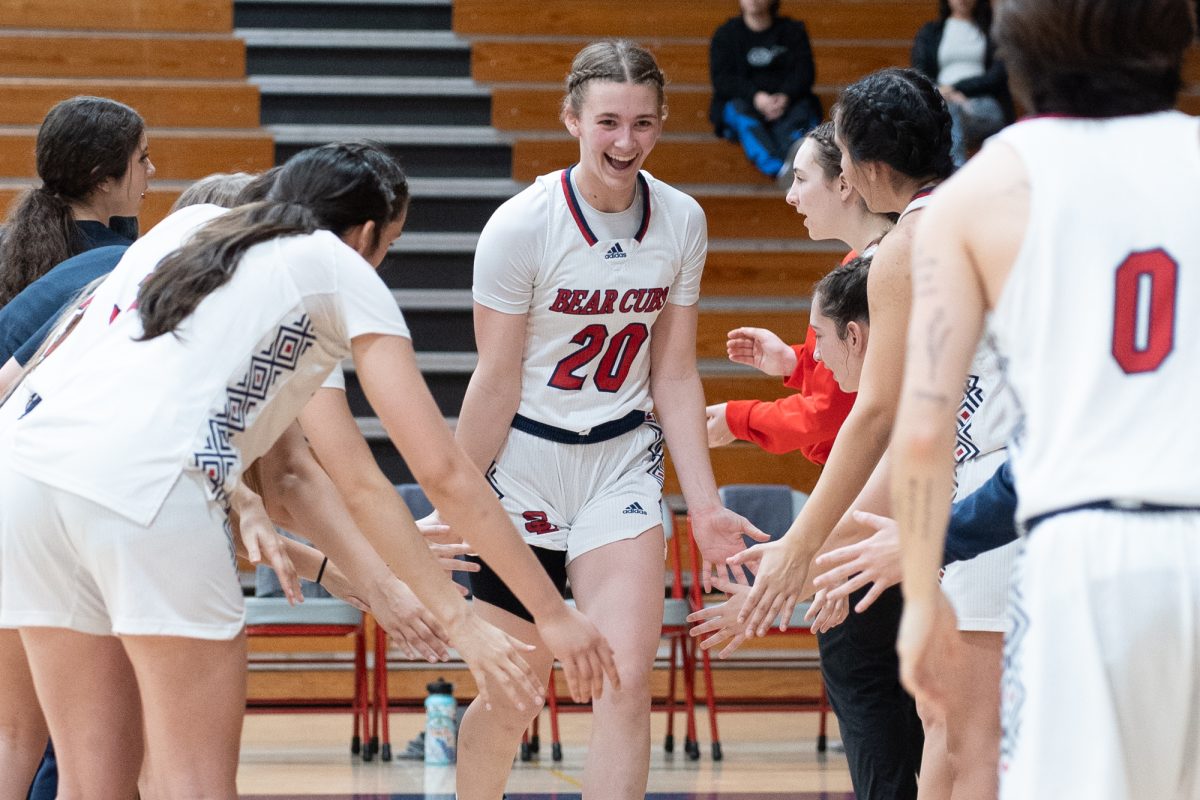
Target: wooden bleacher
(175, 61)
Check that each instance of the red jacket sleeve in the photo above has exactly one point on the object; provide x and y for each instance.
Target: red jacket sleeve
(807, 421)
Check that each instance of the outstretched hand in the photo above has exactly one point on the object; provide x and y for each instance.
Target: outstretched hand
(761, 349)
(417, 631)
(585, 654)
(718, 624)
(718, 533)
(874, 561)
(719, 434)
(778, 581)
(496, 662)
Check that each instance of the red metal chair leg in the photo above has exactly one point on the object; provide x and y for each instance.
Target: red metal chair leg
(382, 700)
(822, 717)
(669, 742)
(552, 701)
(711, 701)
(363, 691)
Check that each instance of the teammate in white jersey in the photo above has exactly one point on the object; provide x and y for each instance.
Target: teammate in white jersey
(134, 432)
(1076, 231)
(585, 316)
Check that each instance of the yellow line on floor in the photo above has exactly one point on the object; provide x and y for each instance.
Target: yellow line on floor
(564, 776)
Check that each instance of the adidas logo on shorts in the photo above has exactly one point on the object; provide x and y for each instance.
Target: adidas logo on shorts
(616, 252)
(634, 508)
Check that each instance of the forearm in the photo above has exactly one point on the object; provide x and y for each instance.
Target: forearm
(682, 417)
(486, 402)
(319, 514)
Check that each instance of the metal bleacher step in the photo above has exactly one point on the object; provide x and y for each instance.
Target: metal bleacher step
(287, 51)
(320, 14)
(432, 151)
(373, 100)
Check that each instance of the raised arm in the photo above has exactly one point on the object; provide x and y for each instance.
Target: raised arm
(860, 444)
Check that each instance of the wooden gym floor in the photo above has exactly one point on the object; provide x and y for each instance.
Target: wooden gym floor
(766, 756)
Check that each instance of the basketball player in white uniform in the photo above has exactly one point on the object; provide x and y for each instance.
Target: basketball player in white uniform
(1077, 230)
(585, 289)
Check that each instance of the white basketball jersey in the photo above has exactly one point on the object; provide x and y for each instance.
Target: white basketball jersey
(1099, 319)
(591, 301)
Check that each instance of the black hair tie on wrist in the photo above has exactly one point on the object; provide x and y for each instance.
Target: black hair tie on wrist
(321, 571)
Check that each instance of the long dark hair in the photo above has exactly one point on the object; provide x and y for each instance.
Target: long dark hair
(1095, 58)
(981, 15)
(897, 117)
(82, 142)
(334, 187)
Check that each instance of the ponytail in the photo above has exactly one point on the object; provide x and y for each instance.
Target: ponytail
(40, 233)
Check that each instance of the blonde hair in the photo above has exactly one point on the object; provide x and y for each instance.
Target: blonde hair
(616, 60)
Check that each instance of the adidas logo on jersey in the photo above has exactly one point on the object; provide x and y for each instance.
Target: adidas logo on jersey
(616, 252)
(634, 508)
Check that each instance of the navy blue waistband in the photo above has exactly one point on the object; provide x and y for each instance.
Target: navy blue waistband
(597, 433)
(1108, 505)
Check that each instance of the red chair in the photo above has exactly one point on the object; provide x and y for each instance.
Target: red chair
(818, 703)
(273, 617)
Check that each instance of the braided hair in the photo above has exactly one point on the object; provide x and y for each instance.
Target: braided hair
(617, 60)
(897, 117)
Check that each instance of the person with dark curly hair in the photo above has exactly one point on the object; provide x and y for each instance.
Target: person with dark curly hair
(94, 164)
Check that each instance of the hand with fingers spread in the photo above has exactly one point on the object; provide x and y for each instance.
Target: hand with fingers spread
(825, 612)
(778, 581)
(585, 654)
(874, 561)
(718, 532)
(761, 349)
(930, 647)
(719, 624)
(415, 630)
(496, 662)
(447, 556)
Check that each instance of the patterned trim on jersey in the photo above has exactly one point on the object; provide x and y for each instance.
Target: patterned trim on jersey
(657, 469)
(1012, 690)
(964, 441)
(218, 457)
(581, 221)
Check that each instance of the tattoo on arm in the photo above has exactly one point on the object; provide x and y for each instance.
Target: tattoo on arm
(936, 334)
(920, 492)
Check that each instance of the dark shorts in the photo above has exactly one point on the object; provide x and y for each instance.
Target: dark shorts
(487, 586)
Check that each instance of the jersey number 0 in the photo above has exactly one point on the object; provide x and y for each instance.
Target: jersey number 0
(619, 350)
(1144, 311)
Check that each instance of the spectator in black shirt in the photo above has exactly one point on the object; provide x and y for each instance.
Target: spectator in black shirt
(762, 74)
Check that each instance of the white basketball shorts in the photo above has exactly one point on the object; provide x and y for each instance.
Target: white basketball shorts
(67, 562)
(1101, 690)
(577, 497)
(978, 588)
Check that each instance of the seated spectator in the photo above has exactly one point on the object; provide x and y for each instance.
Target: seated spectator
(956, 53)
(762, 74)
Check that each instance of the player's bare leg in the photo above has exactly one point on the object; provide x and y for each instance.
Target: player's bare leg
(973, 730)
(620, 588)
(23, 730)
(488, 738)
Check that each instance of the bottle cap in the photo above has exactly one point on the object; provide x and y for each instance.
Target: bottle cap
(440, 686)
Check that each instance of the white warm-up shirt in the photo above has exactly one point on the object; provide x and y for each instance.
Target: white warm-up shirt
(592, 284)
(116, 420)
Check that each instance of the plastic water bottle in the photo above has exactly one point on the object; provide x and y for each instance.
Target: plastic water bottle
(441, 723)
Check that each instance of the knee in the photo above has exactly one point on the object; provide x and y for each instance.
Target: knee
(502, 720)
(633, 698)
